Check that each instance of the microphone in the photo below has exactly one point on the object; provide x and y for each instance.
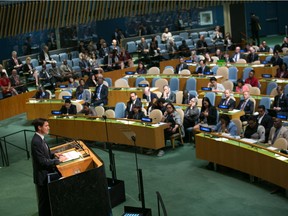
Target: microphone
(78, 145)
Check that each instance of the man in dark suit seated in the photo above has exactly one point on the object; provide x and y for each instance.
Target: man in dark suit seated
(168, 95)
(228, 101)
(85, 65)
(134, 100)
(265, 120)
(263, 47)
(14, 63)
(181, 66)
(246, 105)
(44, 162)
(148, 95)
(44, 56)
(280, 103)
(110, 62)
(237, 55)
(252, 56)
(201, 45)
(276, 59)
(100, 97)
(68, 108)
(41, 93)
(202, 67)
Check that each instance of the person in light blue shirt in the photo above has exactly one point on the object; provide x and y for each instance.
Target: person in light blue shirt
(225, 125)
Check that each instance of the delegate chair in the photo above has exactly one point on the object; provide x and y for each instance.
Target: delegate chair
(99, 111)
(63, 56)
(138, 80)
(168, 71)
(64, 93)
(79, 106)
(241, 61)
(266, 101)
(255, 91)
(179, 97)
(174, 84)
(160, 83)
(75, 61)
(223, 71)
(193, 92)
(233, 74)
(281, 143)
(120, 110)
(154, 80)
(270, 87)
(154, 70)
(214, 69)
(178, 135)
(110, 113)
(156, 115)
(108, 80)
(185, 72)
(191, 84)
(211, 96)
(238, 123)
(121, 83)
(246, 72)
(228, 84)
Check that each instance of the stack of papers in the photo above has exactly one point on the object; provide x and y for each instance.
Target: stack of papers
(249, 140)
(71, 155)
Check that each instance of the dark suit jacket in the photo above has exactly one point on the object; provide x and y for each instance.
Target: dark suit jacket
(129, 103)
(274, 61)
(171, 98)
(212, 116)
(200, 70)
(152, 96)
(281, 102)
(103, 95)
(241, 56)
(231, 103)
(83, 64)
(267, 123)
(42, 160)
(251, 58)
(248, 109)
(42, 56)
(103, 52)
(39, 95)
(184, 66)
(71, 111)
(26, 68)
(11, 65)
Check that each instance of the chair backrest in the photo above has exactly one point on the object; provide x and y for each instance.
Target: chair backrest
(233, 73)
(55, 57)
(255, 91)
(185, 72)
(108, 80)
(121, 83)
(214, 69)
(246, 72)
(281, 143)
(154, 80)
(120, 110)
(191, 84)
(160, 83)
(168, 71)
(99, 110)
(74, 54)
(285, 50)
(158, 93)
(50, 93)
(78, 106)
(145, 82)
(270, 87)
(131, 46)
(156, 115)
(106, 83)
(194, 35)
(34, 62)
(110, 113)
(256, 62)
(201, 57)
(184, 35)
(286, 89)
(223, 71)
(266, 101)
(254, 101)
(211, 96)
(274, 92)
(64, 93)
(153, 70)
(268, 58)
(243, 61)
(181, 113)
(63, 56)
(228, 84)
(193, 92)
(179, 97)
(138, 80)
(75, 61)
(238, 123)
(174, 84)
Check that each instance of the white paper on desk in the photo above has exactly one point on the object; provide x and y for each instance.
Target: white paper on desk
(126, 122)
(226, 135)
(71, 155)
(77, 101)
(249, 140)
(233, 111)
(221, 139)
(282, 158)
(272, 148)
(191, 64)
(258, 65)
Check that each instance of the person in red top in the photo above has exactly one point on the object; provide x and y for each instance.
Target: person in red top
(5, 84)
(125, 58)
(253, 81)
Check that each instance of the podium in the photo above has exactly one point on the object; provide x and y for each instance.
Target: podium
(82, 189)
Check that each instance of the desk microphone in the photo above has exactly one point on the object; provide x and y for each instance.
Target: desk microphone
(78, 145)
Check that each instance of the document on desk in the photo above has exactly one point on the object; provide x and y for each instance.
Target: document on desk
(282, 158)
(233, 111)
(221, 139)
(158, 124)
(126, 122)
(249, 140)
(71, 155)
(272, 148)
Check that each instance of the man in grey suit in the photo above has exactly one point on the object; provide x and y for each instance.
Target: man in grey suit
(168, 95)
(277, 131)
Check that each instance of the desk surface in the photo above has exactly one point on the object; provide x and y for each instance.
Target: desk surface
(245, 157)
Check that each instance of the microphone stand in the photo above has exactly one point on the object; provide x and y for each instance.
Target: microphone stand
(111, 155)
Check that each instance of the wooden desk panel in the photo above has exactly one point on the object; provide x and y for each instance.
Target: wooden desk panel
(264, 83)
(247, 160)
(40, 110)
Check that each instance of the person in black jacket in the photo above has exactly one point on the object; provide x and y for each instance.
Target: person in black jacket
(181, 66)
(265, 120)
(280, 103)
(101, 93)
(134, 100)
(136, 113)
(246, 105)
(228, 101)
(43, 163)
(68, 108)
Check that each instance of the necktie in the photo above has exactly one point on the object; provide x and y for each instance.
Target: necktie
(99, 90)
(148, 98)
(45, 145)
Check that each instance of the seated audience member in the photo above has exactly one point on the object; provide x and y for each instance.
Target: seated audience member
(228, 100)
(16, 82)
(265, 120)
(254, 130)
(184, 49)
(29, 68)
(181, 66)
(282, 71)
(208, 58)
(219, 54)
(225, 125)
(94, 65)
(168, 95)
(237, 55)
(148, 95)
(134, 100)
(201, 45)
(218, 37)
(141, 69)
(216, 87)
(72, 83)
(172, 49)
(276, 59)
(68, 108)
(285, 43)
(2, 70)
(66, 70)
(15, 63)
(202, 67)
(252, 80)
(44, 56)
(228, 42)
(46, 77)
(114, 47)
(191, 114)
(277, 131)
(252, 56)
(5, 84)
(83, 94)
(125, 59)
(136, 113)
(193, 57)
(241, 86)
(56, 73)
(41, 93)
(143, 49)
(246, 105)
(87, 110)
(280, 103)
(166, 36)
(173, 119)
(263, 47)
(208, 114)
(111, 62)
(84, 65)
(104, 50)
(154, 50)
(91, 81)
(156, 104)
(100, 97)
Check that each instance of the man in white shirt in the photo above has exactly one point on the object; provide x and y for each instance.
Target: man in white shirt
(216, 87)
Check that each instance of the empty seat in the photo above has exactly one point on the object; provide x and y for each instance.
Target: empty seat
(63, 56)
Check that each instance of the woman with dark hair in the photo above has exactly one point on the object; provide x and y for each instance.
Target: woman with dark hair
(91, 81)
(282, 71)
(141, 69)
(241, 86)
(225, 125)
(208, 114)
(191, 114)
(136, 113)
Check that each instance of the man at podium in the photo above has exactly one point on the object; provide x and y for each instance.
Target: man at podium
(43, 163)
